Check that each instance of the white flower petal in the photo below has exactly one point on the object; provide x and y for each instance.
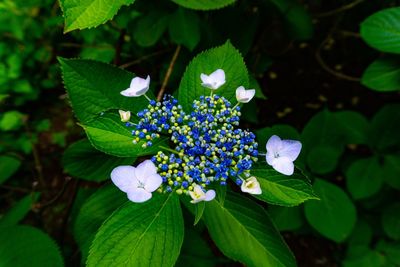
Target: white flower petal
(197, 194)
(152, 182)
(284, 165)
(274, 144)
(252, 186)
(144, 170)
(243, 95)
(124, 115)
(290, 149)
(270, 157)
(124, 177)
(138, 195)
(214, 80)
(138, 87)
(210, 195)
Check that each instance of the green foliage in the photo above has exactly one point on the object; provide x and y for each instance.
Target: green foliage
(383, 75)
(391, 170)
(11, 120)
(140, 233)
(8, 166)
(224, 57)
(83, 161)
(28, 246)
(150, 28)
(18, 211)
(81, 14)
(286, 219)
(381, 30)
(334, 215)
(279, 189)
(94, 211)
(184, 28)
(391, 221)
(243, 231)
(204, 4)
(364, 177)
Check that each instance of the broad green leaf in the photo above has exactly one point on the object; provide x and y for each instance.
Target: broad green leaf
(96, 209)
(150, 28)
(364, 177)
(360, 236)
(391, 170)
(18, 211)
(243, 231)
(286, 218)
(323, 159)
(354, 126)
(381, 30)
(204, 4)
(184, 28)
(334, 215)
(83, 161)
(198, 211)
(299, 22)
(391, 221)
(108, 134)
(195, 251)
(81, 14)
(224, 57)
(94, 87)
(282, 130)
(28, 246)
(8, 166)
(11, 120)
(367, 258)
(391, 250)
(253, 83)
(384, 131)
(140, 234)
(279, 189)
(383, 75)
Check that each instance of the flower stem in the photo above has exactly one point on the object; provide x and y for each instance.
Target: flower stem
(237, 104)
(147, 97)
(169, 150)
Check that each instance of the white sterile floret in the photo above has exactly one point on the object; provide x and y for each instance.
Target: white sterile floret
(138, 87)
(251, 186)
(124, 115)
(214, 80)
(137, 182)
(199, 195)
(281, 154)
(243, 95)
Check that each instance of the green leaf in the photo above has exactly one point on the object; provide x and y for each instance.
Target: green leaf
(354, 126)
(323, 159)
(150, 28)
(391, 170)
(286, 219)
(184, 28)
(108, 134)
(83, 161)
(149, 233)
(94, 87)
(368, 258)
(81, 14)
(204, 4)
(198, 211)
(391, 250)
(18, 211)
(243, 231)
(253, 83)
(384, 131)
(364, 177)
(279, 189)
(334, 216)
(8, 166)
(224, 57)
(383, 75)
(28, 246)
(381, 30)
(391, 221)
(11, 120)
(96, 209)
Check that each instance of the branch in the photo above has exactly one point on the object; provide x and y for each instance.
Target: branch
(168, 74)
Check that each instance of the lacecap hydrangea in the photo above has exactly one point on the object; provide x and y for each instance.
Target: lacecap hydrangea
(207, 145)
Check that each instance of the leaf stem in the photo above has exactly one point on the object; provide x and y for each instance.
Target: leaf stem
(169, 150)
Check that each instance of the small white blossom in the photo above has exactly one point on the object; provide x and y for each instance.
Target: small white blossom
(125, 115)
(243, 95)
(198, 194)
(281, 154)
(137, 182)
(252, 186)
(214, 80)
(138, 87)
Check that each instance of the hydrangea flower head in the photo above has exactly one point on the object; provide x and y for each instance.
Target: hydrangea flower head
(243, 95)
(137, 182)
(138, 87)
(281, 154)
(214, 80)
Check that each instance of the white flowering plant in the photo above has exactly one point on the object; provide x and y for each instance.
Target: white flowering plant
(184, 151)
